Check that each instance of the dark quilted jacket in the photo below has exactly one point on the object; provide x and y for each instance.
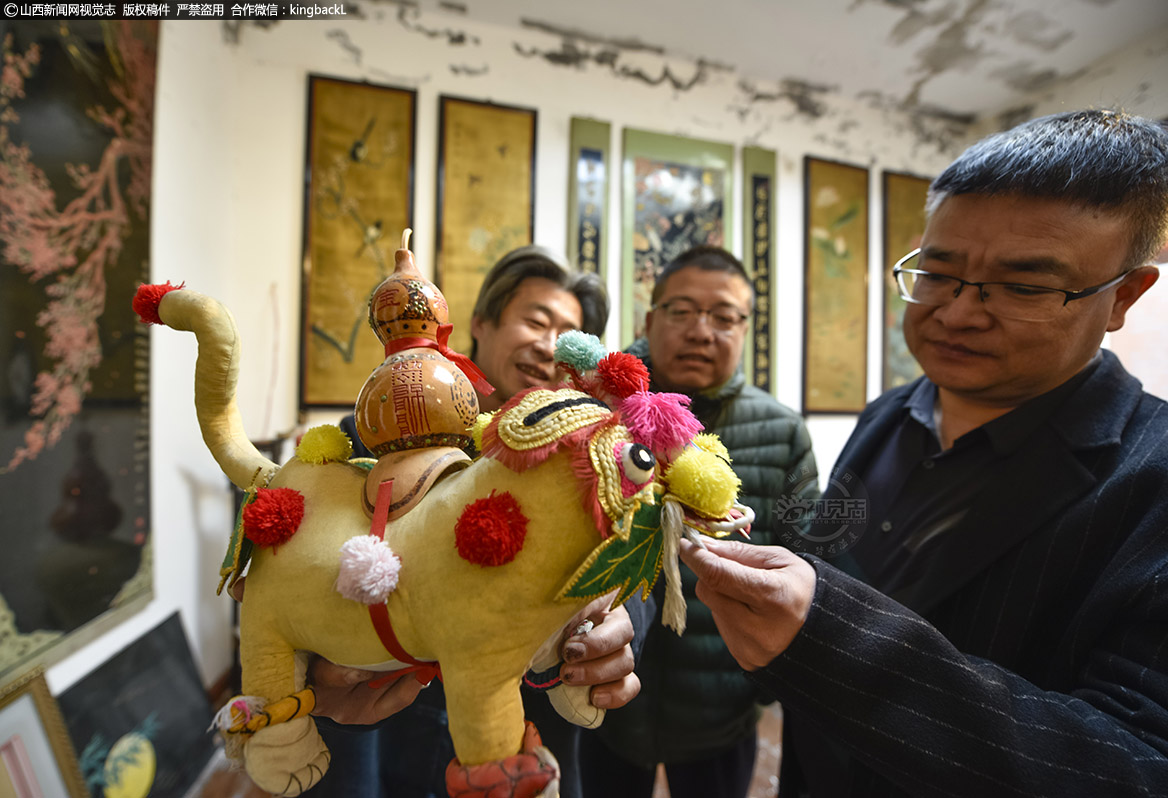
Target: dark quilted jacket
(695, 700)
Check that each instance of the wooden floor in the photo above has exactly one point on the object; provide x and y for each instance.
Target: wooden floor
(227, 782)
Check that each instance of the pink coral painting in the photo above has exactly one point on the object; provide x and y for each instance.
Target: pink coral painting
(76, 131)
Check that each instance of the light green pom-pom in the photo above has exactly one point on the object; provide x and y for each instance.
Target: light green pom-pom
(704, 481)
(580, 350)
(324, 444)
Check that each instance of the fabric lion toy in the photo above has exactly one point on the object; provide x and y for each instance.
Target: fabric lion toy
(429, 560)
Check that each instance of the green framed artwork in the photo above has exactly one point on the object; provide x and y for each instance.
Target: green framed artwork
(676, 195)
(835, 300)
(76, 159)
(360, 159)
(486, 198)
(904, 223)
(758, 177)
(588, 145)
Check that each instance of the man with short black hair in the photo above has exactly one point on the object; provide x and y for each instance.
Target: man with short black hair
(697, 713)
(1005, 629)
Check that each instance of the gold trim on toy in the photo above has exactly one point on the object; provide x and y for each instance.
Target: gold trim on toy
(608, 480)
(542, 417)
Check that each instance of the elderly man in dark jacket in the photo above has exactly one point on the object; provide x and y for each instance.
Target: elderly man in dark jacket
(697, 712)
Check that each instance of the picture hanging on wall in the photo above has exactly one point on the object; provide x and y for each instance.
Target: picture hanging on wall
(904, 223)
(36, 757)
(358, 199)
(676, 194)
(835, 302)
(486, 191)
(139, 721)
(76, 149)
(588, 194)
(758, 175)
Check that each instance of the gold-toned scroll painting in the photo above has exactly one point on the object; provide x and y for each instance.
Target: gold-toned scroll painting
(904, 223)
(486, 189)
(588, 194)
(836, 287)
(359, 198)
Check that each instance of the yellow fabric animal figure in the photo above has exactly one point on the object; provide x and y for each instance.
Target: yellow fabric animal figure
(571, 499)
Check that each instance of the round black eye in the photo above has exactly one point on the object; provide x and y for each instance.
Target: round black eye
(637, 462)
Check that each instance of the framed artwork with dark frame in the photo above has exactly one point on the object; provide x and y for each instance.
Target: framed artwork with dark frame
(36, 757)
(588, 170)
(904, 223)
(486, 198)
(835, 299)
(139, 720)
(358, 199)
(758, 176)
(76, 158)
(676, 194)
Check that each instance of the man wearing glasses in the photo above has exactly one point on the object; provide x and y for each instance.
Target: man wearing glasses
(696, 712)
(1005, 629)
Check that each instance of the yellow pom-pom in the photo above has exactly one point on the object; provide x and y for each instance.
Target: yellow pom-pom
(704, 481)
(324, 444)
(711, 443)
(476, 429)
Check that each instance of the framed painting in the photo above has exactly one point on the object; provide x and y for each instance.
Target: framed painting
(139, 721)
(758, 176)
(588, 145)
(835, 299)
(76, 144)
(486, 198)
(358, 199)
(904, 223)
(36, 758)
(676, 195)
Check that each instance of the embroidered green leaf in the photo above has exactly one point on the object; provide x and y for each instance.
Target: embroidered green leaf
(625, 564)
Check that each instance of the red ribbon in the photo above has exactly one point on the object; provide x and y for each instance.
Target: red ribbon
(464, 363)
(424, 672)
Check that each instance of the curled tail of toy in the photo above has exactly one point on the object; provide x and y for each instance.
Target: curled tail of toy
(216, 376)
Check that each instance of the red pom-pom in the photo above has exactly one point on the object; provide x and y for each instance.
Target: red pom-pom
(623, 374)
(147, 299)
(490, 531)
(273, 517)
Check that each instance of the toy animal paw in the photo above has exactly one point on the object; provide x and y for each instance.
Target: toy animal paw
(274, 757)
(532, 773)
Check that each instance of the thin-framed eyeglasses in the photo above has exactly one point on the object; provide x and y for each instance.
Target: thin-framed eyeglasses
(724, 319)
(1017, 301)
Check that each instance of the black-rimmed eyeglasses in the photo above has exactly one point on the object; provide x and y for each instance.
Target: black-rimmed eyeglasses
(1017, 301)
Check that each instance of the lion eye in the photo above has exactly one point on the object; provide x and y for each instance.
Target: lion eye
(637, 462)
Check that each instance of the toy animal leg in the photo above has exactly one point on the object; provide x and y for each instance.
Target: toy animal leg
(573, 703)
(532, 773)
(288, 758)
(285, 758)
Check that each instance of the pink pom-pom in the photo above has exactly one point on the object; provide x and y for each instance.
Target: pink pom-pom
(661, 421)
(148, 298)
(369, 570)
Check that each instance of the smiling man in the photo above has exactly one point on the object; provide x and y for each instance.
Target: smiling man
(697, 712)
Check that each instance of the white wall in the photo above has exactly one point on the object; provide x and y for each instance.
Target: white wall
(228, 195)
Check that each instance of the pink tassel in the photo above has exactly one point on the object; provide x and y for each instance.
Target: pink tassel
(660, 421)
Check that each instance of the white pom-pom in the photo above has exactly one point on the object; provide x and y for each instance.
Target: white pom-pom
(369, 570)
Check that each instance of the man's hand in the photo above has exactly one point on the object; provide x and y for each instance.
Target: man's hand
(601, 657)
(759, 595)
(344, 695)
